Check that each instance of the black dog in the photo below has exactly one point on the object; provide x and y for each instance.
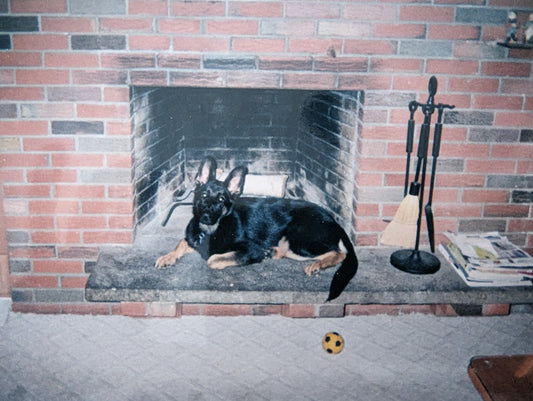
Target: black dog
(231, 231)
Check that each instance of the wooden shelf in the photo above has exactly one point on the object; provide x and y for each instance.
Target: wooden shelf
(516, 45)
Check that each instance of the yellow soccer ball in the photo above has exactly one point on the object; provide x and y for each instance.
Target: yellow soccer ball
(333, 343)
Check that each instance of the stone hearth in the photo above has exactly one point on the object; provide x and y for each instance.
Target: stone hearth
(130, 275)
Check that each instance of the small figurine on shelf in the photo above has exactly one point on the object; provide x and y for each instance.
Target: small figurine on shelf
(528, 30)
(511, 27)
(518, 38)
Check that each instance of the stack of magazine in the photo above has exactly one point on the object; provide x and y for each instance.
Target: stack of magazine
(489, 259)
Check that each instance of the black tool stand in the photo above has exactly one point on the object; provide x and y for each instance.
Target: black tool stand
(414, 260)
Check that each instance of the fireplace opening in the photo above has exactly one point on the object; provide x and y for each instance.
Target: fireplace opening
(307, 135)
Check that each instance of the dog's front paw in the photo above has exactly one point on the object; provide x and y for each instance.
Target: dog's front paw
(312, 268)
(170, 258)
(166, 260)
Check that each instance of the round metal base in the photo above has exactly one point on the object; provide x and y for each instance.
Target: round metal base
(415, 261)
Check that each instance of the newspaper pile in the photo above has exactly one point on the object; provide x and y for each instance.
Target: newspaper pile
(488, 259)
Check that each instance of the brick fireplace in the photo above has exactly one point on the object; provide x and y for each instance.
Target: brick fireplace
(71, 69)
(308, 136)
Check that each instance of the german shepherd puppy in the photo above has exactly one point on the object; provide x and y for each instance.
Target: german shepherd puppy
(230, 231)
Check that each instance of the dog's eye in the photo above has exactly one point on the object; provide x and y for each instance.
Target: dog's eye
(221, 199)
(204, 195)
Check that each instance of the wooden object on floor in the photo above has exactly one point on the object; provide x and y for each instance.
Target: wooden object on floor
(503, 378)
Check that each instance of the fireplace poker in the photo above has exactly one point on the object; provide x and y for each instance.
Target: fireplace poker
(421, 167)
(435, 153)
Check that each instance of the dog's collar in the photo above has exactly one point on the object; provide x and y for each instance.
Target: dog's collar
(201, 237)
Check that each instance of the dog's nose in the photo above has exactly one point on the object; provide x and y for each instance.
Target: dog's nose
(205, 219)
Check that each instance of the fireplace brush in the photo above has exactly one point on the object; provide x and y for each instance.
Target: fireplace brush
(404, 229)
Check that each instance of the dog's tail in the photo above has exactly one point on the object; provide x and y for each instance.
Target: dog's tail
(345, 272)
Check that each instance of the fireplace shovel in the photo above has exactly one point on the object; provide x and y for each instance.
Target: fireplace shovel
(435, 153)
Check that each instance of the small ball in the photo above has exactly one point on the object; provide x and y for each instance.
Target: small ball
(333, 343)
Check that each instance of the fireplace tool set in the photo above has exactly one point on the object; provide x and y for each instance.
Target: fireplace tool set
(406, 223)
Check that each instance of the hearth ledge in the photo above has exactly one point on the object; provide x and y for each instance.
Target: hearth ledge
(129, 275)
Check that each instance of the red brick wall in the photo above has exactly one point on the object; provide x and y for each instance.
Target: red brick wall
(65, 139)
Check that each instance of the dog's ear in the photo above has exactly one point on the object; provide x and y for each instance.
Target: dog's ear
(207, 171)
(235, 181)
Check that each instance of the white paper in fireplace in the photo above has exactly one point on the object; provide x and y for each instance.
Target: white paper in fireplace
(265, 185)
